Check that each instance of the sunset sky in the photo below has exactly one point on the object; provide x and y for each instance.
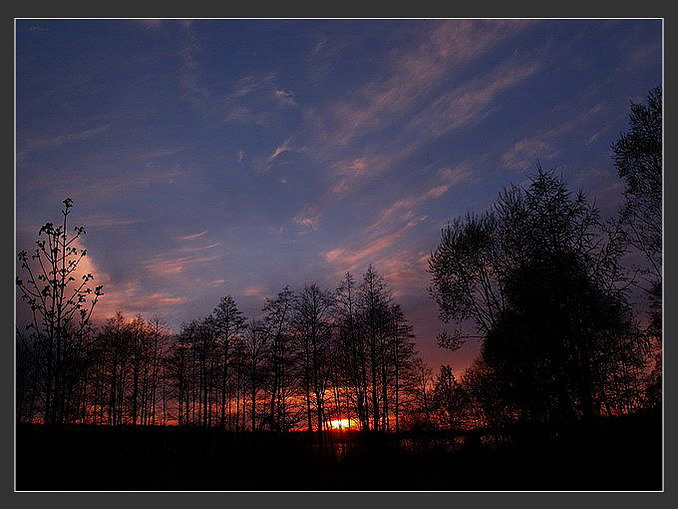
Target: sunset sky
(211, 157)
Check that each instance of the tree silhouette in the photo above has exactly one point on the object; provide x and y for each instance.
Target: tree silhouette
(61, 303)
(313, 324)
(637, 155)
(449, 399)
(229, 323)
(542, 281)
(283, 358)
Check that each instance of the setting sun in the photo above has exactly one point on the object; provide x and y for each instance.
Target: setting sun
(341, 424)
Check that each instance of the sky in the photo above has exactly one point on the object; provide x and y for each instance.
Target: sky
(215, 157)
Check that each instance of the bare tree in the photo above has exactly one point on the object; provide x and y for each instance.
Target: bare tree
(282, 362)
(229, 324)
(61, 306)
(255, 351)
(375, 298)
(313, 325)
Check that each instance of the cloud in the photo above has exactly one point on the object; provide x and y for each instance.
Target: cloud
(544, 145)
(254, 99)
(308, 218)
(129, 297)
(404, 209)
(415, 89)
(86, 184)
(285, 97)
(406, 271)
(158, 153)
(63, 139)
(149, 24)
(193, 236)
(391, 228)
(280, 149)
(103, 222)
(525, 153)
(37, 28)
(351, 258)
(254, 291)
(193, 249)
(468, 102)
(595, 135)
(415, 72)
(161, 299)
(177, 265)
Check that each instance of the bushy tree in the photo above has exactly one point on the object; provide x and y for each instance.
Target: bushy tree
(638, 158)
(541, 280)
(637, 155)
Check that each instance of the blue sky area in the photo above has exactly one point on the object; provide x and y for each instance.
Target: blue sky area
(211, 157)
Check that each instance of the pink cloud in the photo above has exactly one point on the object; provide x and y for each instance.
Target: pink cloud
(405, 208)
(70, 137)
(193, 249)
(468, 103)
(393, 224)
(411, 77)
(415, 71)
(308, 217)
(128, 297)
(406, 272)
(174, 266)
(352, 258)
(254, 291)
(194, 236)
(280, 149)
(526, 152)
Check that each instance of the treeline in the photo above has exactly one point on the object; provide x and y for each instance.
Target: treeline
(315, 356)
(315, 359)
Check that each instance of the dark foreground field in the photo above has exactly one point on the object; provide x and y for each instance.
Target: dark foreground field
(613, 454)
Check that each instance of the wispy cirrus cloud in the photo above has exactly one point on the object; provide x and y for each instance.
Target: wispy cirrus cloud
(404, 209)
(406, 270)
(412, 90)
(469, 102)
(525, 153)
(280, 149)
(130, 297)
(254, 291)
(149, 24)
(193, 236)
(253, 99)
(102, 222)
(415, 73)
(352, 258)
(65, 138)
(193, 249)
(95, 186)
(392, 227)
(544, 145)
(177, 265)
